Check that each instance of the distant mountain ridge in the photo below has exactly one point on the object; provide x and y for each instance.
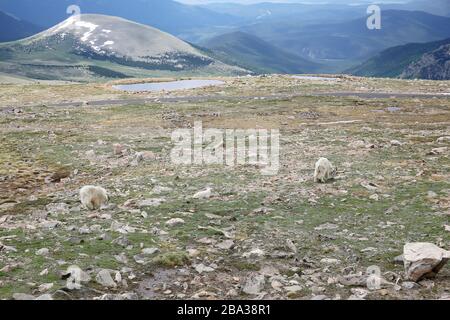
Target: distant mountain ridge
(392, 62)
(352, 41)
(257, 55)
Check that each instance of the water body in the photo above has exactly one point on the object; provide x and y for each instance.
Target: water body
(314, 78)
(168, 86)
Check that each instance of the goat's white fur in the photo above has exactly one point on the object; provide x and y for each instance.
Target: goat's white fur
(93, 197)
(324, 170)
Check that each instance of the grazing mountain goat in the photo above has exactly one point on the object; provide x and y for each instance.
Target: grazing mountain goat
(92, 197)
(324, 171)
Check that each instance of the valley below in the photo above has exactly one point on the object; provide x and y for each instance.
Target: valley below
(255, 236)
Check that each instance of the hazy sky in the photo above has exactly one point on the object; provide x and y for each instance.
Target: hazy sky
(291, 1)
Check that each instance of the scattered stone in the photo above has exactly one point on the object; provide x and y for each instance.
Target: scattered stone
(437, 151)
(225, 245)
(409, 285)
(23, 296)
(357, 144)
(293, 289)
(45, 287)
(50, 225)
(58, 208)
(122, 241)
(369, 186)
(151, 202)
(358, 280)
(329, 261)
(118, 297)
(43, 252)
(161, 189)
(359, 293)
(119, 149)
(138, 158)
(122, 258)
(174, 222)
(75, 277)
(254, 253)
(200, 268)
(44, 272)
(291, 245)
(193, 253)
(395, 143)
(423, 260)
(140, 259)
(150, 251)
(326, 226)
(443, 139)
(254, 284)
(104, 278)
(84, 230)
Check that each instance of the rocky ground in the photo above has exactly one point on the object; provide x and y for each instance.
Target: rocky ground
(257, 237)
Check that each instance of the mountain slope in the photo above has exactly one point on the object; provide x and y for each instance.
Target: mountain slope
(110, 46)
(12, 28)
(393, 61)
(434, 65)
(253, 53)
(352, 40)
(167, 15)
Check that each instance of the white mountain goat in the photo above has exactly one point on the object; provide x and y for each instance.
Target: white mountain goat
(324, 171)
(92, 197)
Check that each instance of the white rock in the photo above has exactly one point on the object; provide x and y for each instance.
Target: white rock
(151, 202)
(395, 143)
(200, 268)
(43, 252)
(293, 289)
(374, 197)
(254, 284)
(360, 293)
(174, 222)
(291, 245)
(438, 151)
(254, 253)
(45, 297)
(443, 139)
(104, 278)
(150, 251)
(423, 260)
(45, 287)
(76, 278)
(329, 261)
(326, 226)
(23, 296)
(225, 245)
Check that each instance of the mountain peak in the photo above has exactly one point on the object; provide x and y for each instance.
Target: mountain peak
(106, 34)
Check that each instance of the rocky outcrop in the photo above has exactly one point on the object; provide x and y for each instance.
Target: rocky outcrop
(423, 260)
(434, 65)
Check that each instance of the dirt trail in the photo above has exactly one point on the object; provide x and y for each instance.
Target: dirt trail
(365, 95)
